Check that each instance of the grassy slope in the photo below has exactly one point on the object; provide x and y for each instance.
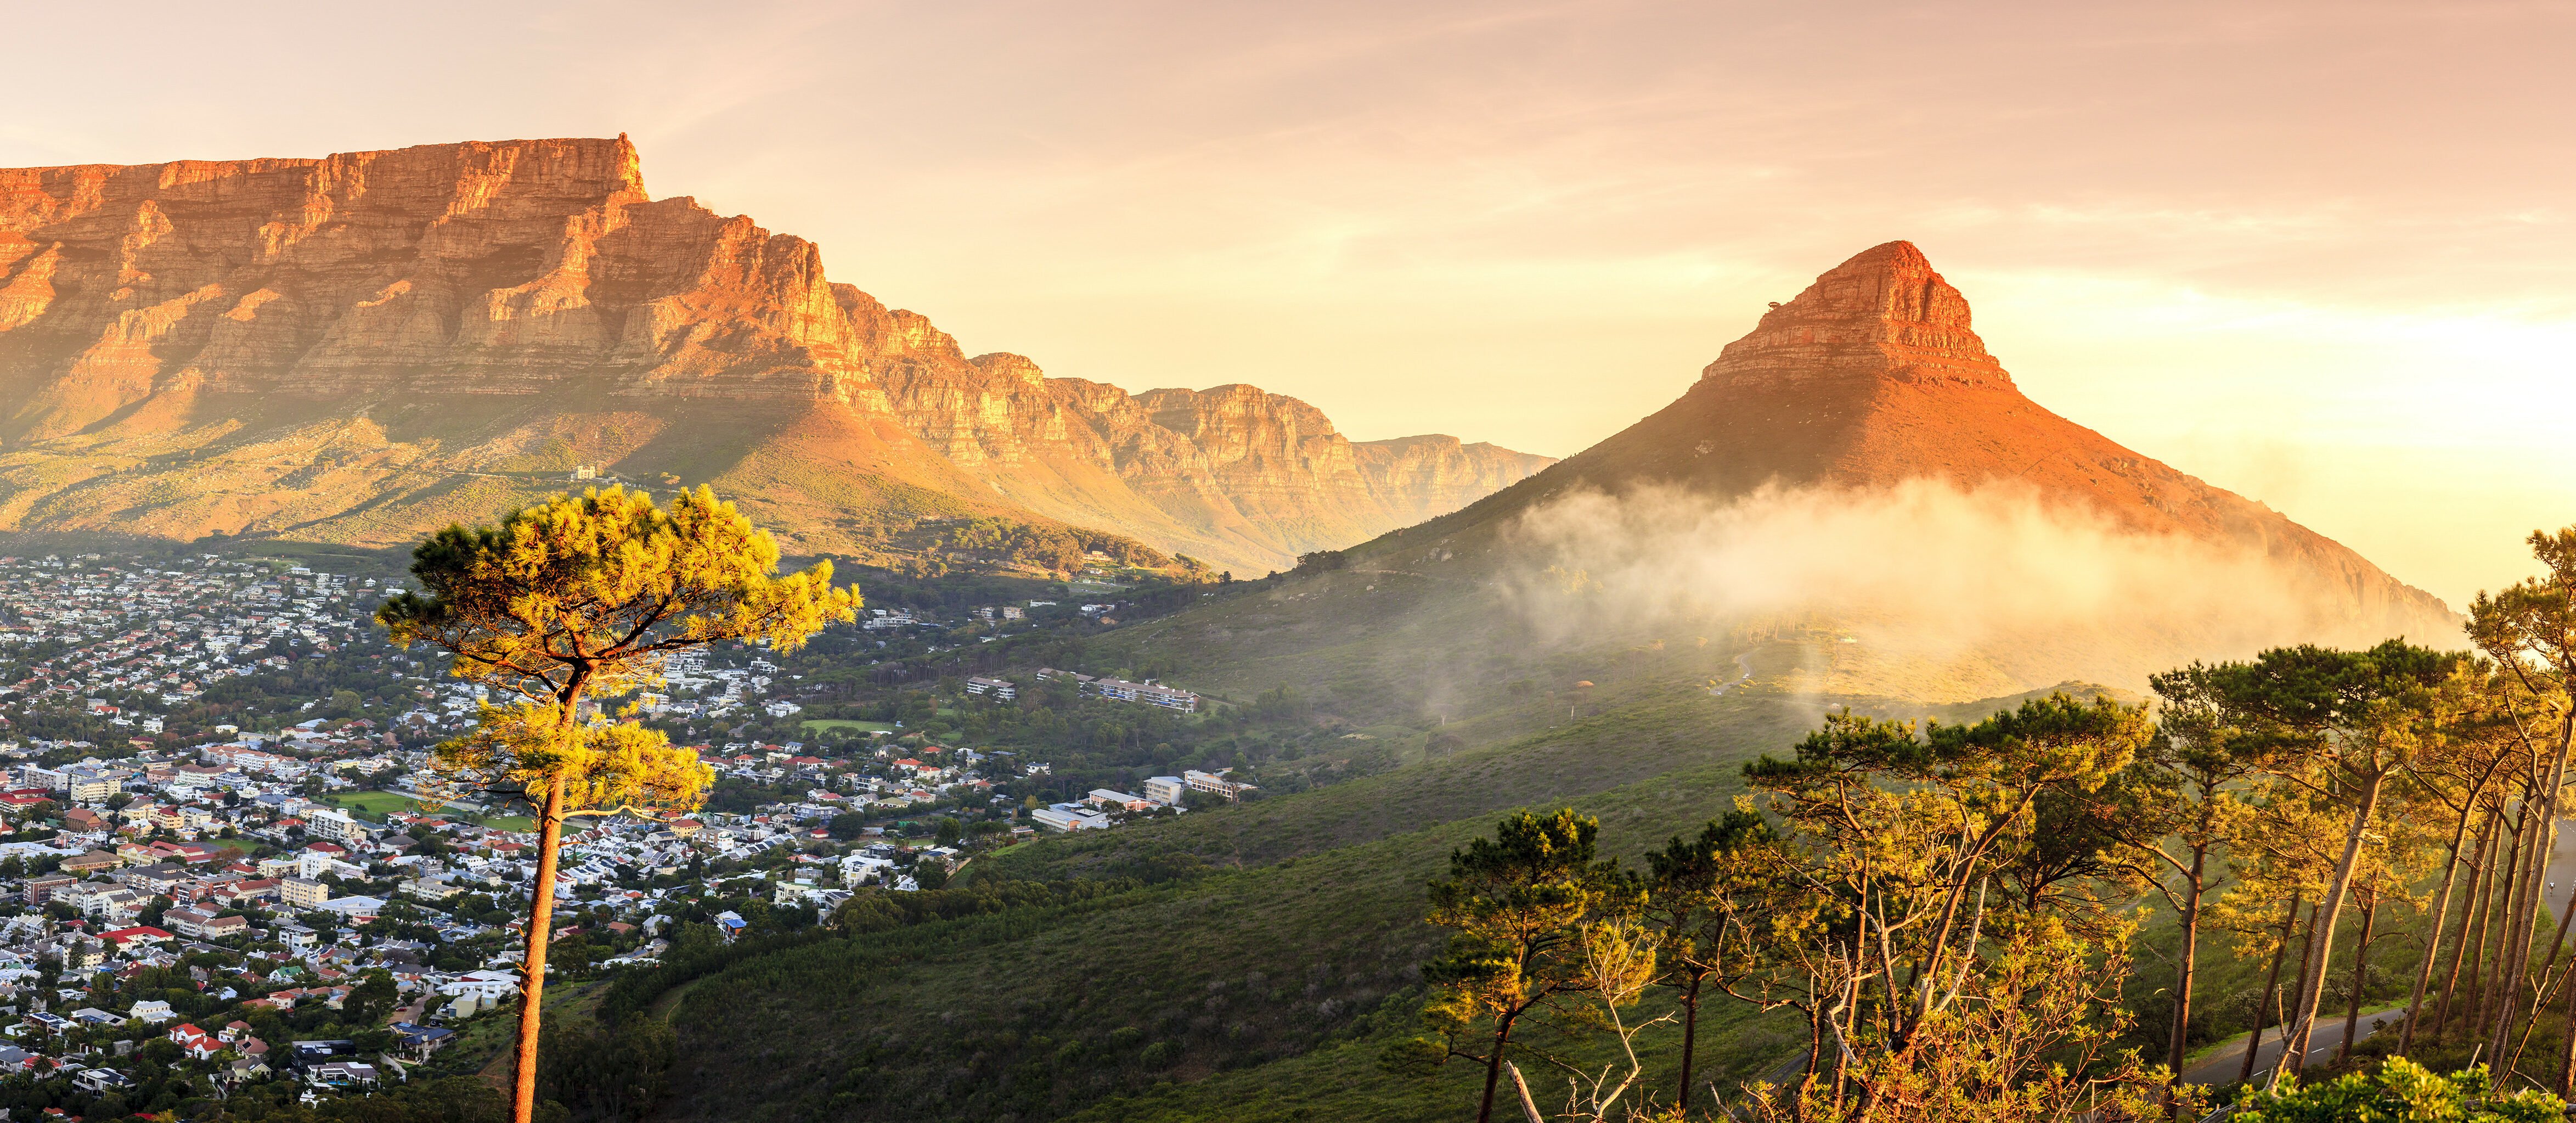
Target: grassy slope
(1257, 983)
(1232, 981)
(1253, 965)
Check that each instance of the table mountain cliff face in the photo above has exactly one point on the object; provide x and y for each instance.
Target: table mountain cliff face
(363, 346)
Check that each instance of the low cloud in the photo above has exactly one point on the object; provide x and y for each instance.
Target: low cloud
(1926, 589)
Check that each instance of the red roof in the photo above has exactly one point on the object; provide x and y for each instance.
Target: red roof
(138, 932)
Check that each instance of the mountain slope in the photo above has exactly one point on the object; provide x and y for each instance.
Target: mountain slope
(1828, 478)
(359, 347)
(1872, 377)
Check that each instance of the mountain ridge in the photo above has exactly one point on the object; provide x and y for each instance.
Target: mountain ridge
(441, 311)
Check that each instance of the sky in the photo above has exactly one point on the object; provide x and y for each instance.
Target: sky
(2320, 254)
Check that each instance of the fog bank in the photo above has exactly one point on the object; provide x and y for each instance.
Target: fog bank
(1926, 589)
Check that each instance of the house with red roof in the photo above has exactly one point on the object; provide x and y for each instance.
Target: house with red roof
(197, 1043)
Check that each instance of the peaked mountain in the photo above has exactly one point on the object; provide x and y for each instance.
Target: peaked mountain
(363, 346)
(1872, 380)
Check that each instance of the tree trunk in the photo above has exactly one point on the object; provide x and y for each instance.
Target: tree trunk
(2536, 862)
(2307, 937)
(2490, 933)
(2520, 919)
(2461, 952)
(2548, 985)
(1815, 1026)
(2271, 982)
(541, 911)
(1690, 1038)
(1494, 1069)
(2567, 1053)
(2360, 976)
(2312, 981)
(2433, 939)
(2190, 961)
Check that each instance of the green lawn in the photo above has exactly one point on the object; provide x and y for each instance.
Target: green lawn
(375, 804)
(844, 723)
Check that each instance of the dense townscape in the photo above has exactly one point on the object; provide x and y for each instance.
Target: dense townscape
(228, 874)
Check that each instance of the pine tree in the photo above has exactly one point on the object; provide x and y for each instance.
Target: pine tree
(566, 605)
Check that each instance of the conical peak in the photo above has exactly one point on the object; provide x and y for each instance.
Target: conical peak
(1883, 313)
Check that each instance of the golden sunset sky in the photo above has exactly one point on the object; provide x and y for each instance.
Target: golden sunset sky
(2317, 253)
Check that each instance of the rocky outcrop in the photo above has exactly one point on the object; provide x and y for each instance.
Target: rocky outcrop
(1228, 473)
(1884, 315)
(1426, 477)
(509, 268)
(486, 305)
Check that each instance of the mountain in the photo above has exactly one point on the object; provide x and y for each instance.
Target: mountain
(1392, 700)
(1872, 377)
(363, 346)
(1863, 419)
(1240, 471)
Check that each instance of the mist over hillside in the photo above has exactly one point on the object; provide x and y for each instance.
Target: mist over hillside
(1926, 587)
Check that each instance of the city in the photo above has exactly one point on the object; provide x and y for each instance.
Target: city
(226, 875)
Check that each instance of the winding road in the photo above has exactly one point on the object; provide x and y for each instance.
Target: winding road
(1743, 661)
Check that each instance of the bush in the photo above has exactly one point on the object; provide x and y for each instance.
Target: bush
(2400, 1089)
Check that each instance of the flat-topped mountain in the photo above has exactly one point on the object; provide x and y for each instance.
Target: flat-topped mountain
(358, 347)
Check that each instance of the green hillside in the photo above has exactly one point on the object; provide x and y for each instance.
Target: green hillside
(1307, 926)
(1261, 952)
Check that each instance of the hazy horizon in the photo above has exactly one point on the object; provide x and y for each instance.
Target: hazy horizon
(2317, 255)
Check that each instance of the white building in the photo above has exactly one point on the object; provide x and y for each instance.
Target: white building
(484, 986)
(333, 823)
(859, 869)
(1106, 799)
(1148, 693)
(1069, 817)
(1214, 784)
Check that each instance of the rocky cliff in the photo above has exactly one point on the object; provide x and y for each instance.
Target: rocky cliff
(1241, 470)
(356, 346)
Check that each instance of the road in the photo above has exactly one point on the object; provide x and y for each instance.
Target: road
(1740, 661)
(2221, 1067)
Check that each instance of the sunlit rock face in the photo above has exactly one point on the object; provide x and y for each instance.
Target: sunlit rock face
(380, 318)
